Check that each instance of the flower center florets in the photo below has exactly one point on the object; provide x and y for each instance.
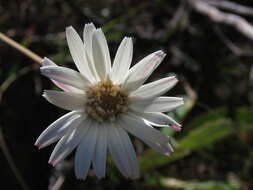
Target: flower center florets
(105, 101)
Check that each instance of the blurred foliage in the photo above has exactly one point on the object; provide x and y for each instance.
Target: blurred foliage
(214, 149)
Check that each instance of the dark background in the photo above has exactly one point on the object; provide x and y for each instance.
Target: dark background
(213, 61)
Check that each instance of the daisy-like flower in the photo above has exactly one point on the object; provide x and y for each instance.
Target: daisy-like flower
(106, 101)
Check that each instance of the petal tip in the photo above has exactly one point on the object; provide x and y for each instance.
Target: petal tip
(177, 128)
(52, 162)
(69, 28)
(43, 61)
(90, 24)
(44, 93)
(37, 144)
(160, 54)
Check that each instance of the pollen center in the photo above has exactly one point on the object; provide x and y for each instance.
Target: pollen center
(105, 101)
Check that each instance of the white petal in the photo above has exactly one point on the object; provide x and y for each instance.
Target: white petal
(67, 88)
(117, 151)
(77, 52)
(156, 88)
(99, 160)
(88, 32)
(85, 152)
(130, 152)
(65, 100)
(101, 54)
(164, 149)
(47, 62)
(68, 143)
(139, 73)
(137, 127)
(158, 119)
(65, 75)
(122, 61)
(59, 128)
(160, 104)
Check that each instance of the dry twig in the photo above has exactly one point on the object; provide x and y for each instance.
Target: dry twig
(231, 6)
(238, 22)
(20, 48)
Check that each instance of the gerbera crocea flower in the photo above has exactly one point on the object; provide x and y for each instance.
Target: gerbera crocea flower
(106, 101)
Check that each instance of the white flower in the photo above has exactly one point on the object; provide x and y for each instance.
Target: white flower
(106, 102)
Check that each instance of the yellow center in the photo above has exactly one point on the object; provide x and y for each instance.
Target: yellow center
(105, 101)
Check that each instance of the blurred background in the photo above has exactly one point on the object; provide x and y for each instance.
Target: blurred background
(209, 48)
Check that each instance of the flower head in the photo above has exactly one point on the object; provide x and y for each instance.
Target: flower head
(106, 101)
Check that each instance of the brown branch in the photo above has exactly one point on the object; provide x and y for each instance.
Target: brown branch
(239, 23)
(231, 6)
(20, 48)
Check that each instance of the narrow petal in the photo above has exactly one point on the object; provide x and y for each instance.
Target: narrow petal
(47, 62)
(152, 137)
(65, 100)
(165, 149)
(159, 119)
(160, 104)
(67, 88)
(122, 61)
(68, 143)
(88, 32)
(118, 152)
(77, 52)
(154, 89)
(101, 54)
(130, 152)
(59, 128)
(99, 160)
(139, 73)
(85, 152)
(65, 75)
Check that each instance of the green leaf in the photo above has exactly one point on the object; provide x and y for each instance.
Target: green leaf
(193, 185)
(210, 116)
(207, 130)
(197, 138)
(206, 134)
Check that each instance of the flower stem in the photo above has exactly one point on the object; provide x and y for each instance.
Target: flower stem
(20, 48)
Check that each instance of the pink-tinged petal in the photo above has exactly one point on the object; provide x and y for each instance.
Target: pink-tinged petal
(66, 76)
(65, 100)
(152, 137)
(176, 127)
(139, 73)
(67, 88)
(69, 142)
(59, 128)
